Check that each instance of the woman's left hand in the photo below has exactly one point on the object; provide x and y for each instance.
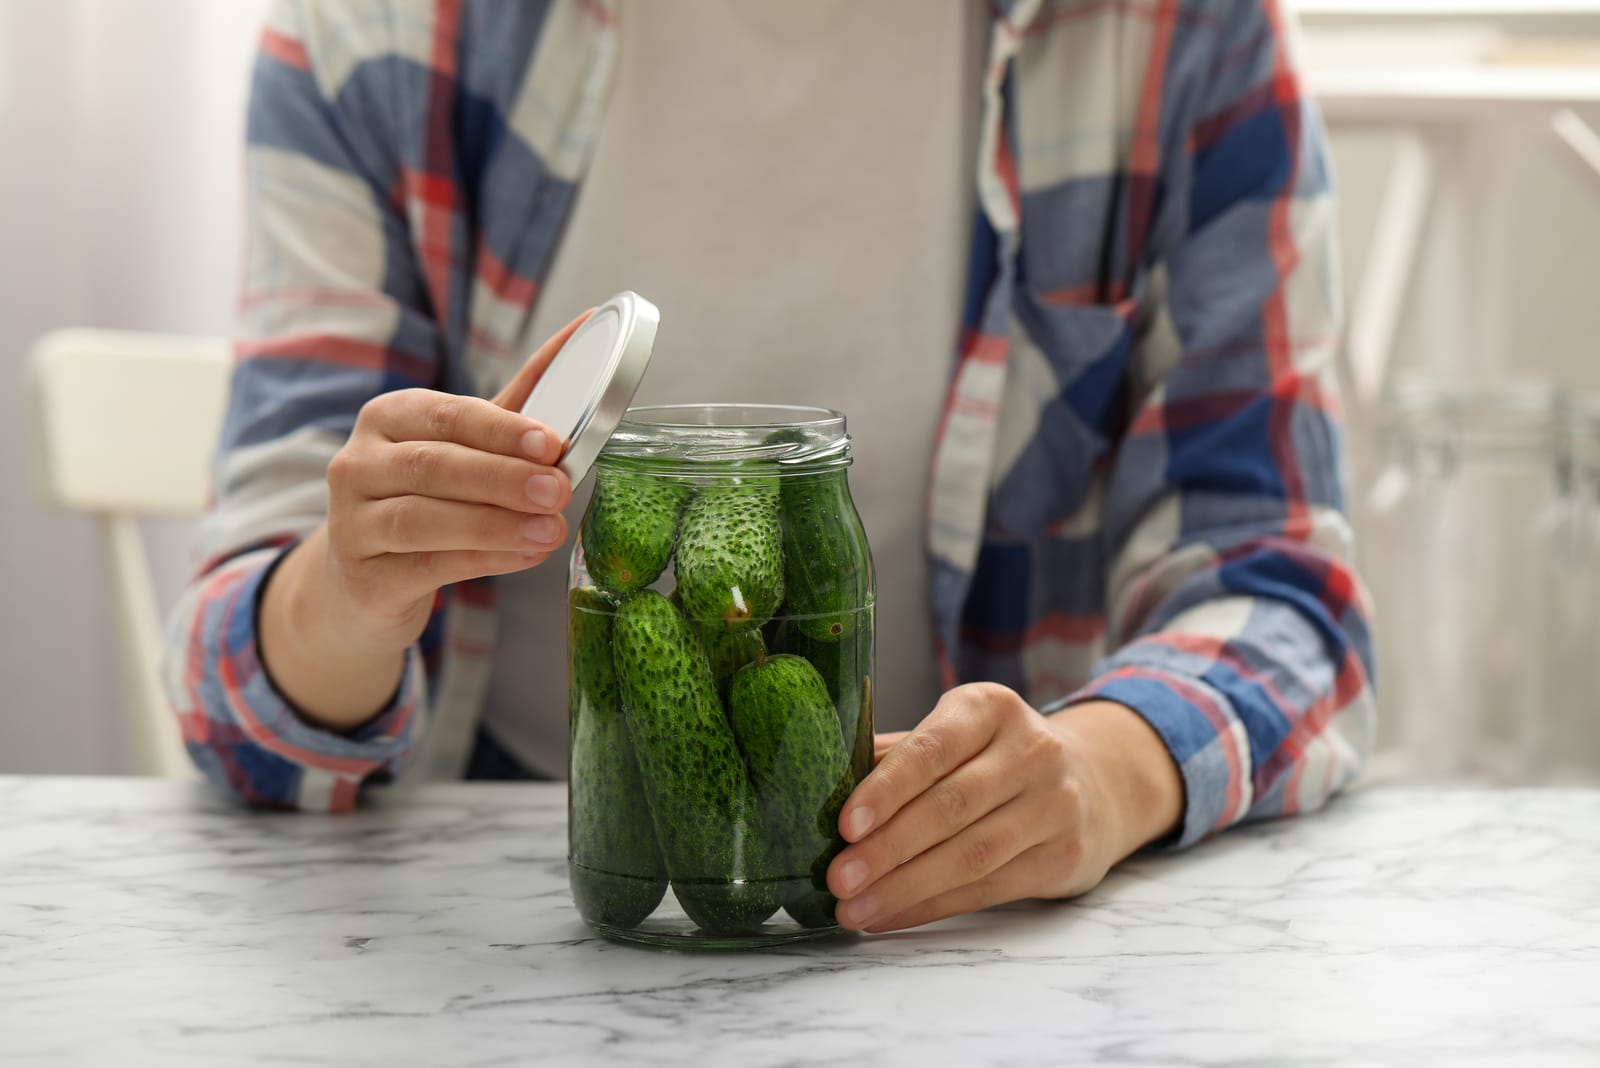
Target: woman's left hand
(988, 801)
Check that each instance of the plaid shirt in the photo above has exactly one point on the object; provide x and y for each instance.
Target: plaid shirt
(1136, 489)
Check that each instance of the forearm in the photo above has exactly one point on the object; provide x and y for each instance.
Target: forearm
(337, 671)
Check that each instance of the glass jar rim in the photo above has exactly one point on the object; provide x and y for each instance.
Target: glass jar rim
(733, 416)
(729, 438)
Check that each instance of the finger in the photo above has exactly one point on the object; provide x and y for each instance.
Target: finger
(1017, 880)
(954, 732)
(425, 524)
(945, 809)
(882, 743)
(422, 573)
(448, 471)
(427, 415)
(970, 855)
(515, 393)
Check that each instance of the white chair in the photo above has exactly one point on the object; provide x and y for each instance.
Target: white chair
(126, 424)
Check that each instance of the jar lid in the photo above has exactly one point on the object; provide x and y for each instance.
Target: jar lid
(585, 391)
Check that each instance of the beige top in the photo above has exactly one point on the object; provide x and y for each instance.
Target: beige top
(793, 185)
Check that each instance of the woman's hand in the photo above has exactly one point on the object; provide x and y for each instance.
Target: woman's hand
(987, 801)
(430, 489)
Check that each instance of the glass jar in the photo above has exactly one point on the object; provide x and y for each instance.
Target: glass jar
(1458, 552)
(720, 643)
(1571, 602)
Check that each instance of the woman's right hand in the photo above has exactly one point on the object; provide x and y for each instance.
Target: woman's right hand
(433, 489)
(430, 489)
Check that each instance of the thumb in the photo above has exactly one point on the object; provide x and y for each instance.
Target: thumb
(515, 393)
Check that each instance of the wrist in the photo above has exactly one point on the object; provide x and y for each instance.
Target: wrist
(1133, 770)
(334, 669)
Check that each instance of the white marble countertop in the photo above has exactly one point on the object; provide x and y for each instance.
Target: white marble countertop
(145, 922)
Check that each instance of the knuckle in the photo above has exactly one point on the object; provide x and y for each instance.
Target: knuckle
(1041, 746)
(426, 564)
(491, 528)
(887, 856)
(1070, 797)
(977, 851)
(342, 468)
(927, 749)
(1071, 853)
(418, 463)
(952, 802)
(992, 697)
(375, 410)
(400, 521)
(503, 480)
(505, 425)
(444, 416)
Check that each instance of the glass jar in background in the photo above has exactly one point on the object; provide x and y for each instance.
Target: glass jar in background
(1460, 522)
(1571, 600)
(720, 615)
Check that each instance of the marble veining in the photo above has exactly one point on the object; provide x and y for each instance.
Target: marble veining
(148, 922)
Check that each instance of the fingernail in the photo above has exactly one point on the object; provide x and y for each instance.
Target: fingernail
(533, 443)
(859, 912)
(543, 489)
(542, 530)
(852, 875)
(858, 823)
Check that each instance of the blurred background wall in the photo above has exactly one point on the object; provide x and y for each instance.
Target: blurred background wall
(119, 199)
(120, 127)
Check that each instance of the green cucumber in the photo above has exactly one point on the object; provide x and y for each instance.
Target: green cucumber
(729, 560)
(788, 732)
(630, 528)
(615, 865)
(827, 568)
(843, 664)
(706, 814)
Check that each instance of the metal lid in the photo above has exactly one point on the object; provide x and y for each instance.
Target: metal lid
(585, 391)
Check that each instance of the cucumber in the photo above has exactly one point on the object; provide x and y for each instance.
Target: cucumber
(788, 732)
(630, 527)
(728, 651)
(615, 866)
(827, 568)
(729, 560)
(706, 814)
(843, 664)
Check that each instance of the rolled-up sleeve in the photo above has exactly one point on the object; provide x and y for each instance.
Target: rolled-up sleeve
(1239, 625)
(333, 312)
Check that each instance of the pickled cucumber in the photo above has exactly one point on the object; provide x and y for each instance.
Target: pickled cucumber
(788, 732)
(705, 811)
(615, 866)
(630, 528)
(827, 568)
(729, 561)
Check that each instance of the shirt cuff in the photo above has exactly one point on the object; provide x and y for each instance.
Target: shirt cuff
(273, 724)
(1202, 736)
